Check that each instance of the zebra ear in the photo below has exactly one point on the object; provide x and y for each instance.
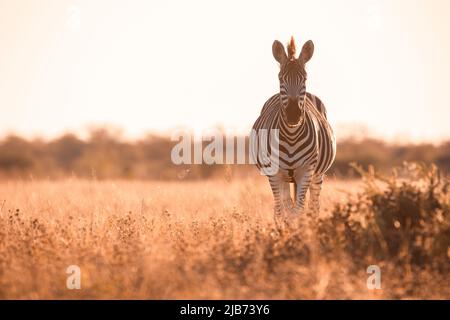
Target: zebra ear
(307, 52)
(278, 52)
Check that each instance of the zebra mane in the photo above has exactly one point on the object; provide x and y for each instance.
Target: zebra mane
(291, 48)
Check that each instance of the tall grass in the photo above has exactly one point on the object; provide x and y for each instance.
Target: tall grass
(217, 239)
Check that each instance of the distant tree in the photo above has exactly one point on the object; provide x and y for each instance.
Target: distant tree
(15, 154)
(66, 150)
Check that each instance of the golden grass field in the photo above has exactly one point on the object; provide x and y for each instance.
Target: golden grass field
(212, 239)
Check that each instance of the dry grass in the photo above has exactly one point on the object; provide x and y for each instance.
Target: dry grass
(159, 240)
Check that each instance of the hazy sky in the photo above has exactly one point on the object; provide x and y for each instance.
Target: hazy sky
(155, 65)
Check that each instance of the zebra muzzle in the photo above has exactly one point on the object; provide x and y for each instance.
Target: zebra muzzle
(293, 112)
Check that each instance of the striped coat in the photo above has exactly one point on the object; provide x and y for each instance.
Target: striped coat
(292, 136)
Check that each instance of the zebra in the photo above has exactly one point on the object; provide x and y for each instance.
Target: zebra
(305, 139)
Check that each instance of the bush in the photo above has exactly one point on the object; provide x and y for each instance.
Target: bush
(403, 218)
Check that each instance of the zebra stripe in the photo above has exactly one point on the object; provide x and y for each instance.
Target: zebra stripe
(302, 144)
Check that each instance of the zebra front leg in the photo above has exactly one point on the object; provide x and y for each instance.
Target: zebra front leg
(281, 194)
(302, 180)
(314, 192)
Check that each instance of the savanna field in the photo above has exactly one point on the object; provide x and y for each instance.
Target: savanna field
(131, 133)
(216, 239)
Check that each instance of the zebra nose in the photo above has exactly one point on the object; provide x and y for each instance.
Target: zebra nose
(292, 99)
(292, 103)
(292, 111)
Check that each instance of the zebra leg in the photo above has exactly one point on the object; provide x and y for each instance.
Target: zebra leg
(302, 180)
(314, 192)
(281, 194)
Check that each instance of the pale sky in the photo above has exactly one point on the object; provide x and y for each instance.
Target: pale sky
(156, 65)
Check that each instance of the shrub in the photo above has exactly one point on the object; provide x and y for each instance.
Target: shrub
(403, 218)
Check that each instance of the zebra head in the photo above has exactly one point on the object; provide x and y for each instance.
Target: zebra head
(292, 79)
